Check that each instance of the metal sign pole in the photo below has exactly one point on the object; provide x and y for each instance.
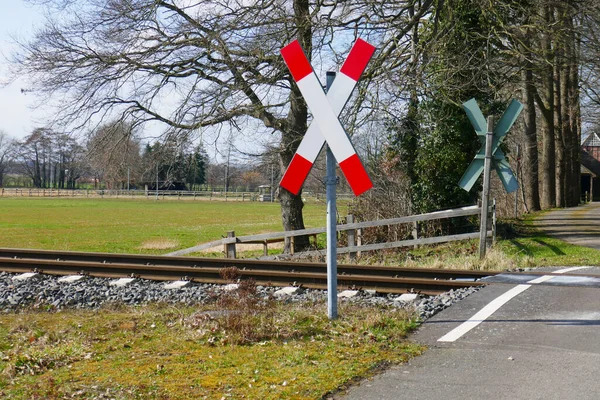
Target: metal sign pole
(331, 180)
(326, 128)
(487, 169)
(517, 174)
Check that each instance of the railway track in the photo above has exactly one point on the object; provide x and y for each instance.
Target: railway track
(382, 279)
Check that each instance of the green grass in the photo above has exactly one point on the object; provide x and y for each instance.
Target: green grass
(170, 352)
(134, 226)
(261, 350)
(519, 244)
(528, 246)
(158, 227)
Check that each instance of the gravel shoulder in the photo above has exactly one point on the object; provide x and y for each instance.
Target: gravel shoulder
(46, 292)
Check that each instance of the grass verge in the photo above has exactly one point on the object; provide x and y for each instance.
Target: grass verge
(528, 246)
(519, 244)
(269, 351)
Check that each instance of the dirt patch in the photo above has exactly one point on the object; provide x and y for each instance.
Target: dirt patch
(159, 244)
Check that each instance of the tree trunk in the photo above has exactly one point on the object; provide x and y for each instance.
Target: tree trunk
(296, 125)
(548, 163)
(567, 135)
(559, 133)
(530, 184)
(574, 116)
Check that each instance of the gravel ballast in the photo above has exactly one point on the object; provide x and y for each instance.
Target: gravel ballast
(46, 292)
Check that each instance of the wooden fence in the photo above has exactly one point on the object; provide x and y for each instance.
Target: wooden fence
(354, 234)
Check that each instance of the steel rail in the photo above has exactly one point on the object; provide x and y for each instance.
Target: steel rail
(343, 269)
(312, 275)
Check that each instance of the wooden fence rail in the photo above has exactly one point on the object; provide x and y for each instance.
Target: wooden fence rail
(354, 234)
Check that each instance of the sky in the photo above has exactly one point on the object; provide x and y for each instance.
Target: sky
(18, 118)
(17, 19)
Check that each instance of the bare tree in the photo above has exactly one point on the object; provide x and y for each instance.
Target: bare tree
(6, 149)
(216, 61)
(113, 152)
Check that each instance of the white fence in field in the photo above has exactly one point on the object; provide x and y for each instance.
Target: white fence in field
(151, 194)
(131, 194)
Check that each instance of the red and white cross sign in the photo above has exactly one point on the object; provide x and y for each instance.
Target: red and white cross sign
(325, 110)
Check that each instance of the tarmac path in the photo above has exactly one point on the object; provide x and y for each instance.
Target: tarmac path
(538, 342)
(576, 225)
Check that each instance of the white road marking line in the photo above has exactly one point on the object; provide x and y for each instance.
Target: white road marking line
(495, 304)
(541, 279)
(565, 270)
(483, 314)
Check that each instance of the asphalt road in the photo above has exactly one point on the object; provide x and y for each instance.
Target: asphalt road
(541, 341)
(577, 225)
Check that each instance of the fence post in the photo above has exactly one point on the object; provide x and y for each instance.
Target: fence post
(494, 221)
(415, 232)
(230, 247)
(351, 233)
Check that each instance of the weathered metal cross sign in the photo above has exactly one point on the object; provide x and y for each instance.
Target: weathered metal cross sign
(498, 161)
(325, 109)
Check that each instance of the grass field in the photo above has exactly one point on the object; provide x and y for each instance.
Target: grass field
(267, 351)
(158, 227)
(134, 226)
(254, 350)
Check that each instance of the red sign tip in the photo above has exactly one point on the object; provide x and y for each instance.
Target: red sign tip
(356, 174)
(295, 174)
(296, 61)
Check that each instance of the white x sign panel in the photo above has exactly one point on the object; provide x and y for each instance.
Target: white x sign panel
(325, 110)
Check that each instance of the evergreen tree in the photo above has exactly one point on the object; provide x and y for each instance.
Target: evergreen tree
(435, 141)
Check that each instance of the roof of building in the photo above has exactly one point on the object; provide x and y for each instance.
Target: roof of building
(589, 163)
(591, 140)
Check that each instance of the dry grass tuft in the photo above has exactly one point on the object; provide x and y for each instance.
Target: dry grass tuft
(230, 273)
(245, 347)
(495, 260)
(159, 244)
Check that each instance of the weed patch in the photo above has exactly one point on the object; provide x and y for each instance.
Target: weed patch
(263, 349)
